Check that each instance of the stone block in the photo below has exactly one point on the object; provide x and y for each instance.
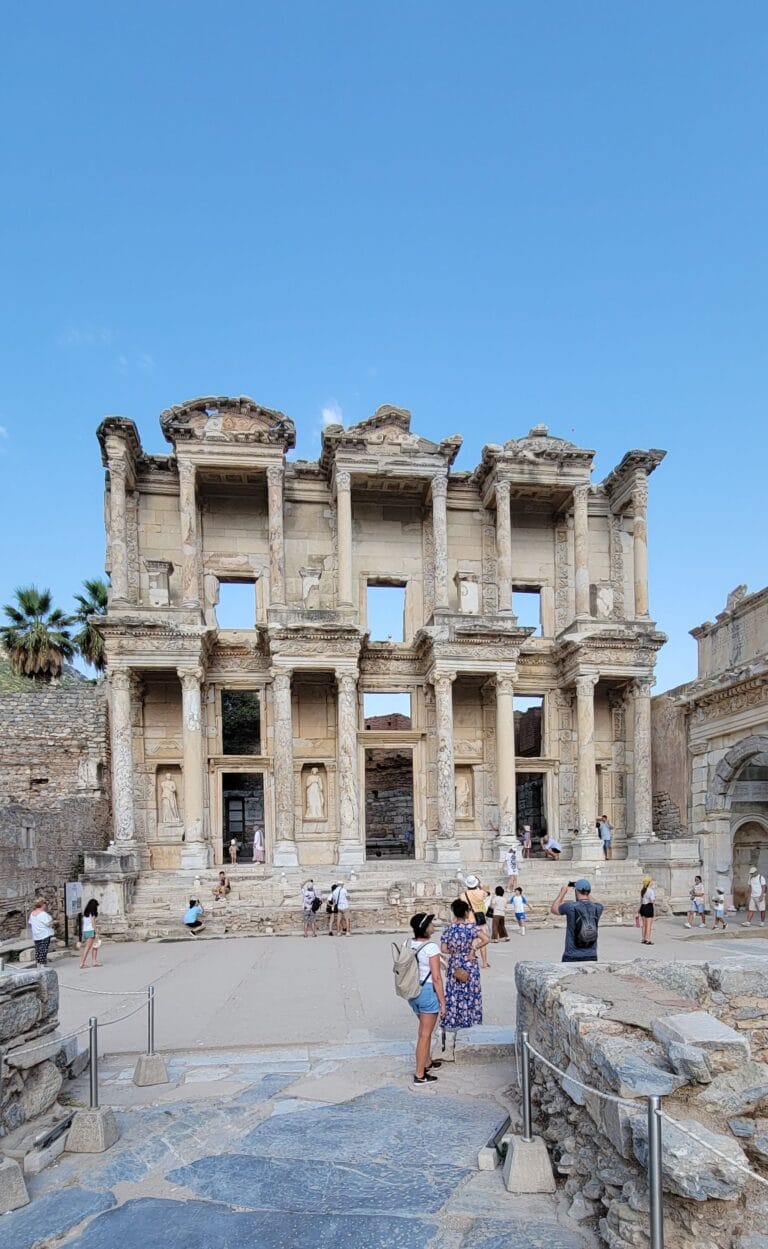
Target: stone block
(688, 1168)
(527, 1167)
(735, 980)
(41, 1088)
(725, 1048)
(37, 1051)
(150, 1069)
(737, 1092)
(13, 1190)
(487, 1158)
(633, 1068)
(688, 1061)
(92, 1131)
(38, 1159)
(18, 1014)
(743, 1128)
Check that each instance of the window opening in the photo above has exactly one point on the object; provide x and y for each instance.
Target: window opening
(387, 711)
(389, 828)
(529, 725)
(236, 608)
(241, 722)
(385, 612)
(527, 606)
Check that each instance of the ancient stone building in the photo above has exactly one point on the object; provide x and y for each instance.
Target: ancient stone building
(257, 735)
(710, 750)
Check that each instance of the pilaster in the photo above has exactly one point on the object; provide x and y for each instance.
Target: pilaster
(120, 732)
(581, 549)
(285, 843)
(440, 536)
(275, 476)
(351, 848)
(343, 482)
(196, 851)
(504, 545)
(505, 757)
(188, 519)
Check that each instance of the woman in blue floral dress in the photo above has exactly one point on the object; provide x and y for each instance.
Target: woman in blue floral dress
(460, 942)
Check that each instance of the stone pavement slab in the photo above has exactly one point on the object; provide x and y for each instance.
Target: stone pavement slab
(51, 1215)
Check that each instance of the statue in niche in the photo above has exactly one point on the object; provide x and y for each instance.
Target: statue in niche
(315, 795)
(463, 797)
(169, 802)
(258, 845)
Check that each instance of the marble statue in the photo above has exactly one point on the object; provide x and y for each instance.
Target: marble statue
(169, 804)
(315, 796)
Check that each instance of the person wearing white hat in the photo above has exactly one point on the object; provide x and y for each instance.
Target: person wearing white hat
(476, 899)
(756, 897)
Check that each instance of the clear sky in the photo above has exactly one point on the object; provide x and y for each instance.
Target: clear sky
(492, 214)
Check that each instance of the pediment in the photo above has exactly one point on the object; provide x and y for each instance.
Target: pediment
(222, 419)
(387, 433)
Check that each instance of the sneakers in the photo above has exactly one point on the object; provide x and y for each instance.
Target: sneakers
(686, 924)
(425, 1079)
(747, 923)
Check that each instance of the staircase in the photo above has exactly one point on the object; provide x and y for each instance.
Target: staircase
(267, 900)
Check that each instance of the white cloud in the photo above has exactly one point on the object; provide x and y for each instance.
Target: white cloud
(85, 336)
(4, 432)
(331, 413)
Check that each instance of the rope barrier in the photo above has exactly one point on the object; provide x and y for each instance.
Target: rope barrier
(738, 1166)
(107, 1023)
(76, 988)
(608, 1097)
(51, 1039)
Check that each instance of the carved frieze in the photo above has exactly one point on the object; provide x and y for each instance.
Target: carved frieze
(741, 697)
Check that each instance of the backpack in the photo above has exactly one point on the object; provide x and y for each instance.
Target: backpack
(584, 927)
(405, 967)
(316, 904)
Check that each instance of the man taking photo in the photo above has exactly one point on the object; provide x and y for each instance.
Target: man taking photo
(582, 917)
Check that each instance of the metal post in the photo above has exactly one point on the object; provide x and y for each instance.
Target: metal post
(525, 1073)
(150, 1019)
(654, 1173)
(93, 1043)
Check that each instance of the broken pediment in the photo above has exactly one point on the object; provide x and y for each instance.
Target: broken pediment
(386, 433)
(223, 419)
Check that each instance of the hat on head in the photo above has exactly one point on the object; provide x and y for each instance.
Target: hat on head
(753, 871)
(582, 886)
(471, 882)
(420, 922)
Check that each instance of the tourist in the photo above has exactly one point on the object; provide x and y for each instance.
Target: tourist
(233, 851)
(461, 943)
(310, 905)
(756, 897)
(527, 841)
(41, 928)
(193, 917)
(89, 935)
(582, 918)
(222, 888)
(697, 906)
(332, 909)
(718, 905)
(430, 1002)
(519, 903)
(476, 899)
(342, 908)
(646, 910)
(511, 865)
(499, 927)
(552, 849)
(605, 833)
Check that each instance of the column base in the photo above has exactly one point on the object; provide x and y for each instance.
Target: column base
(636, 846)
(285, 854)
(195, 855)
(350, 854)
(445, 852)
(587, 849)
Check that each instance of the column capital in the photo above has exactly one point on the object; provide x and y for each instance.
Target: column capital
(191, 678)
(275, 474)
(642, 686)
(502, 490)
(345, 674)
(505, 684)
(281, 676)
(187, 470)
(442, 679)
(581, 493)
(639, 493)
(585, 684)
(343, 480)
(440, 485)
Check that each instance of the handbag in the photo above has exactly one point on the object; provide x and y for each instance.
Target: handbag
(637, 921)
(461, 974)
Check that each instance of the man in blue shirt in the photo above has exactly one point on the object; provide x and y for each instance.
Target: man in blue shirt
(193, 916)
(582, 918)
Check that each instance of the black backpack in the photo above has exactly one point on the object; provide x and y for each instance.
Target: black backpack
(585, 926)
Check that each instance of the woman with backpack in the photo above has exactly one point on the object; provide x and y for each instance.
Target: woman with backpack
(430, 1002)
(310, 905)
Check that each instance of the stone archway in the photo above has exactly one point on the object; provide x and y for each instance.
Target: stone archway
(750, 750)
(750, 849)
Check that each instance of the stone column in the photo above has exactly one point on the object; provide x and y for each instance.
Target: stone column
(640, 544)
(351, 848)
(121, 744)
(118, 529)
(195, 852)
(505, 758)
(446, 849)
(344, 537)
(276, 537)
(190, 578)
(581, 548)
(285, 843)
(440, 533)
(643, 787)
(503, 546)
(585, 759)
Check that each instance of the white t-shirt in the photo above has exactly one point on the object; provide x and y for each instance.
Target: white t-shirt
(519, 901)
(425, 950)
(757, 886)
(553, 845)
(342, 898)
(649, 895)
(511, 862)
(499, 904)
(41, 926)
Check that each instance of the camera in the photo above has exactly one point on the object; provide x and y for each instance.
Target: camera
(571, 884)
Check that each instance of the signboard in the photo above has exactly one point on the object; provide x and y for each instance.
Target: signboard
(73, 898)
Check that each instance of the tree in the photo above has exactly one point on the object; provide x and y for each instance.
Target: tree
(36, 636)
(88, 640)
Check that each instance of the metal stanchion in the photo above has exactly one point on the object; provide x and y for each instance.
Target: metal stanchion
(654, 1173)
(93, 1042)
(525, 1075)
(150, 1019)
(150, 1067)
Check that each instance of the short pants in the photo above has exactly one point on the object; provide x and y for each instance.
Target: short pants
(426, 1003)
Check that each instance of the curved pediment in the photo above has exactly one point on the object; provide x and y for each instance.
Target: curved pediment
(223, 419)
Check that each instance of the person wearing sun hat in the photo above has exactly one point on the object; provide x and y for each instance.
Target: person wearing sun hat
(581, 918)
(476, 899)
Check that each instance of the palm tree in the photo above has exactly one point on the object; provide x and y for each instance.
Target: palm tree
(88, 640)
(36, 636)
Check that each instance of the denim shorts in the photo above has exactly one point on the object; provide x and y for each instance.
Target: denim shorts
(698, 906)
(426, 1003)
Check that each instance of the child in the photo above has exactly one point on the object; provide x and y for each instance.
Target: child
(520, 902)
(499, 911)
(718, 903)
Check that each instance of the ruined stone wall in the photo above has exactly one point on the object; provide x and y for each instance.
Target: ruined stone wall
(31, 1075)
(670, 766)
(54, 795)
(388, 795)
(694, 1034)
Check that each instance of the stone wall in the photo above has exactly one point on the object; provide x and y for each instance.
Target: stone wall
(696, 1035)
(670, 766)
(54, 800)
(29, 1003)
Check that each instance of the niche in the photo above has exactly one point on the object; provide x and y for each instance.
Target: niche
(168, 796)
(464, 779)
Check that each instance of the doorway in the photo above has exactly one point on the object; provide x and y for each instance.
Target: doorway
(531, 803)
(750, 849)
(242, 818)
(389, 828)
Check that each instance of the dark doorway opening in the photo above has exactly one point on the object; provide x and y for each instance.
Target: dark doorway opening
(531, 804)
(243, 818)
(389, 829)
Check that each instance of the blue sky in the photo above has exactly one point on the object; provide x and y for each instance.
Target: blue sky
(494, 215)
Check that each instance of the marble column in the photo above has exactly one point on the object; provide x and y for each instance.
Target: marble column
(446, 848)
(643, 786)
(503, 546)
(195, 852)
(285, 842)
(505, 758)
(440, 534)
(581, 548)
(344, 537)
(276, 536)
(190, 571)
(351, 847)
(640, 544)
(118, 529)
(585, 762)
(121, 743)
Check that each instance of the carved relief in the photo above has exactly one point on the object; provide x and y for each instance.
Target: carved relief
(428, 566)
(490, 571)
(616, 556)
(347, 720)
(563, 610)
